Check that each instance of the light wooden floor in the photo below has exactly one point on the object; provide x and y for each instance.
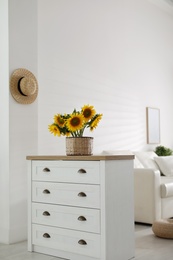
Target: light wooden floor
(148, 247)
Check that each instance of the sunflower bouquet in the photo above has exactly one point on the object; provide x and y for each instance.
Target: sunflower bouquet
(75, 123)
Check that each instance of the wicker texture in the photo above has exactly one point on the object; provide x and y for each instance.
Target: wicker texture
(27, 82)
(79, 145)
(163, 228)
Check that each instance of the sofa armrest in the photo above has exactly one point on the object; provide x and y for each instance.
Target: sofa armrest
(147, 199)
(166, 190)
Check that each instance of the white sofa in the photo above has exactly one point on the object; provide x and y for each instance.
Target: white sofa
(153, 193)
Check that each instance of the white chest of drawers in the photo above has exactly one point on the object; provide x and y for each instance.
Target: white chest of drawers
(81, 208)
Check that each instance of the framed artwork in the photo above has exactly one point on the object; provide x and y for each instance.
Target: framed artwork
(153, 125)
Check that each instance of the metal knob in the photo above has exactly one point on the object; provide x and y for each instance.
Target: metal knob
(82, 242)
(46, 213)
(46, 170)
(82, 218)
(81, 171)
(46, 235)
(46, 191)
(82, 194)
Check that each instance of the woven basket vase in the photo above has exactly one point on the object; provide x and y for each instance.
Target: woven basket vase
(79, 145)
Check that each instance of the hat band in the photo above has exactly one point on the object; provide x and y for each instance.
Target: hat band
(18, 86)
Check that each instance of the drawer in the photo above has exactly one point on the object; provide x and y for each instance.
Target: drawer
(66, 171)
(66, 217)
(82, 195)
(87, 244)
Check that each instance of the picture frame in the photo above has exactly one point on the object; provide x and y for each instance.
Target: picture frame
(153, 125)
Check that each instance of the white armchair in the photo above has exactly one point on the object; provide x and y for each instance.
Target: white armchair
(153, 193)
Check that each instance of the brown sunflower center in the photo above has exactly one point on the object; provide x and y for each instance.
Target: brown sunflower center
(87, 113)
(75, 121)
(60, 120)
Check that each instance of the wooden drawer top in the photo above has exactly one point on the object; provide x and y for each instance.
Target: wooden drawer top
(119, 155)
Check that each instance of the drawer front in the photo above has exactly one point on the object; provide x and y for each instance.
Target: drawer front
(66, 171)
(66, 217)
(83, 243)
(66, 194)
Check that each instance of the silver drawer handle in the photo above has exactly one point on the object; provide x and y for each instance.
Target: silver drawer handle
(82, 218)
(82, 242)
(46, 170)
(81, 171)
(46, 213)
(82, 194)
(46, 191)
(46, 235)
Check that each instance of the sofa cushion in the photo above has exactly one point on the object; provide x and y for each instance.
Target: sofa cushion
(165, 164)
(137, 163)
(147, 159)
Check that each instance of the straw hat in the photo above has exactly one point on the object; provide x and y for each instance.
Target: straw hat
(23, 86)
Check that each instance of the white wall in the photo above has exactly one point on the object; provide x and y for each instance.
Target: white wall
(23, 118)
(4, 129)
(116, 55)
(18, 132)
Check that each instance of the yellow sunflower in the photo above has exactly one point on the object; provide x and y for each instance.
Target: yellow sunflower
(75, 122)
(95, 122)
(59, 120)
(54, 130)
(67, 134)
(88, 112)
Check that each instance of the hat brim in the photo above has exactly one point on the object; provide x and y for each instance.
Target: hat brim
(15, 77)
